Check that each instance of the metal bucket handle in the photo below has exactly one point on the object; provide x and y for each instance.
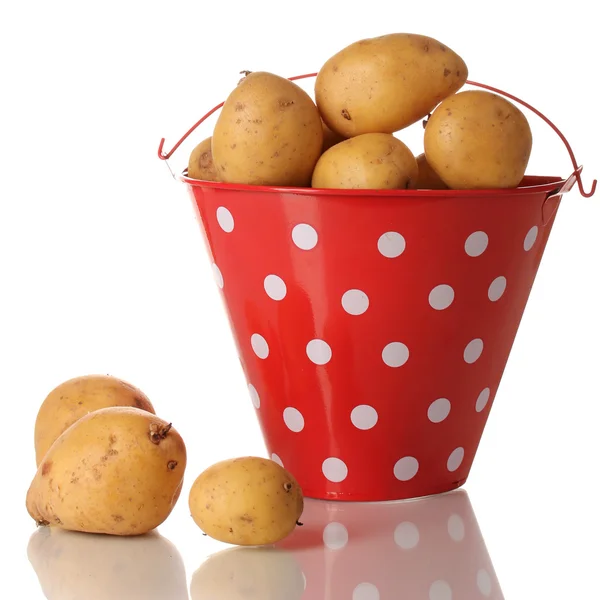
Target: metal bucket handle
(551, 201)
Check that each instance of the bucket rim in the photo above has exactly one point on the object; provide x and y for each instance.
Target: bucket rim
(531, 184)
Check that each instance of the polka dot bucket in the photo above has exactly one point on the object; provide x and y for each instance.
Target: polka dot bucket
(428, 548)
(373, 327)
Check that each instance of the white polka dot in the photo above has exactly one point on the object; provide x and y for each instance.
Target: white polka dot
(305, 236)
(530, 238)
(218, 276)
(275, 287)
(482, 399)
(476, 243)
(473, 351)
(225, 219)
(365, 591)
(406, 468)
(441, 297)
(484, 582)
(440, 590)
(497, 288)
(456, 528)
(439, 410)
(455, 459)
(318, 352)
(335, 536)
(293, 419)
(391, 244)
(395, 354)
(364, 417)
(335, 470)
(355, 302)
(259, 345)
(254, 396)
(407, 535)
(276, 459)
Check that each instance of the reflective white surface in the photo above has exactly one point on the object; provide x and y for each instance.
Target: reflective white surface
(103, 270)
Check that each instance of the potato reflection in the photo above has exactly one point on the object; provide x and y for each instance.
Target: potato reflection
(72, 565)
(248, 574)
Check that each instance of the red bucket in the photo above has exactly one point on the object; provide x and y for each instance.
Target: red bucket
(374, 327)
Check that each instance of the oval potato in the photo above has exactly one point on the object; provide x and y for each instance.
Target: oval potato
(428, 179)
(386, 83)
(368, 161)
(476, 139)
(247, 501)
(117, 470)
(77, 397)
(269, 132)
(200, 163)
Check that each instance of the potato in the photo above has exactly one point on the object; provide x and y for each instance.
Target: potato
(75, 398)
(72, 565)
(247, 501)
(386, 83)
(200, 163)
(330, 138)
(117, 470)
(428, 179)
(269, 132)
(476, 139)
(368, 161)
(248, 574)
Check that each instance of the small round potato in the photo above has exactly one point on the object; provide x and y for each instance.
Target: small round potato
(368, 161)
(247, 501)
(428, 179)
(477, 139)
(200, 164)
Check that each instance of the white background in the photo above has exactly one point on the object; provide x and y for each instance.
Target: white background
(103, 269)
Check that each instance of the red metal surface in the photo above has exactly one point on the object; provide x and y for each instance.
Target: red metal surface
(285, 262)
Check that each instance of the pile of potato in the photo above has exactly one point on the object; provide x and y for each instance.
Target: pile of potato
(106, 463)
(271, 132)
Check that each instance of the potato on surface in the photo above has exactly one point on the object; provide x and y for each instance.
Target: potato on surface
(428, 179)
(386, 83)
(247, 501)
(248, 574)
(80, 566)
(117, 470)
(476, 139)
(269, 132)
(200, 163)
(77, 397)
(368, 161)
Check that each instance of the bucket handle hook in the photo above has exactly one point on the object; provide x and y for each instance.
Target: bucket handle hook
(575, 177)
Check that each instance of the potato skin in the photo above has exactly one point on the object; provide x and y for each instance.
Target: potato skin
(200, 164)
(269, 132)
(386, 83)
(330, 138)
(118, 471)
(246, 501)
(368, 161)
(428, 179)
(75, 398)
(476, 139)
